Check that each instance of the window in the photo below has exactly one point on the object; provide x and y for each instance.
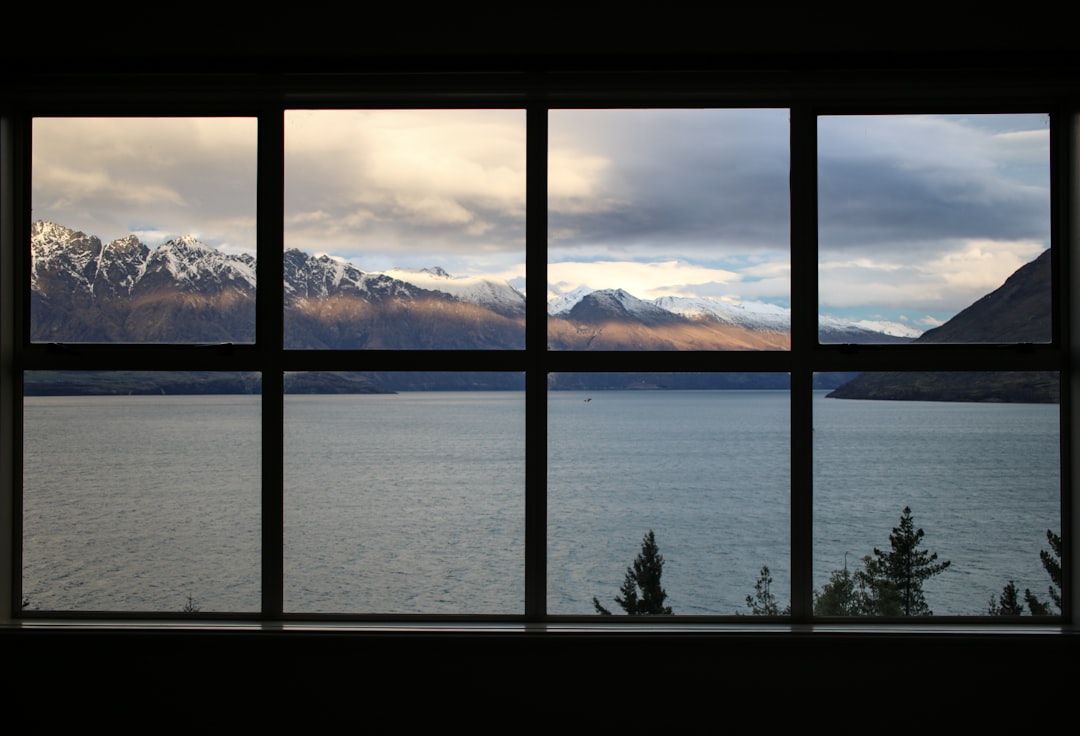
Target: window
(429, 204)
(921, 216)
(679, 218)
(446, 458)
(104, 191)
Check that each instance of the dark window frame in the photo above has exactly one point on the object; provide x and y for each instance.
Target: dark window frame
(806, 95)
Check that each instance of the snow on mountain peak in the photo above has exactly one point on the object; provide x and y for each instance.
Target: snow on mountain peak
(498, 295)
(752, 315)
(190, 241)
(187, 258)
(559, 302)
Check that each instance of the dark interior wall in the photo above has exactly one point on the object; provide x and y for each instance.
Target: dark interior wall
(216, 36)
(546, 679)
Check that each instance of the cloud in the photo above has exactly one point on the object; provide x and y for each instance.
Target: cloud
(695, 183)
(927, 181)
(167, 176)
(425, 185)
(643, 280)
(956, 278)
(928, 212)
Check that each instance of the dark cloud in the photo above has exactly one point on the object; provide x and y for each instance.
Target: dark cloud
(864, 204)
(676, 178)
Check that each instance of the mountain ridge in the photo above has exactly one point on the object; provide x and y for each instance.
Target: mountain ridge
(84, 290)
(1017, 312)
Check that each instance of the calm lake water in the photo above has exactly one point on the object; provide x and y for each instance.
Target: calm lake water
(414, 502)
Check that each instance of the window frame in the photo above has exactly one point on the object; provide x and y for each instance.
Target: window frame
(806, 96)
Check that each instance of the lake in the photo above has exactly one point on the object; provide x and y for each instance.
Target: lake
(414, 502)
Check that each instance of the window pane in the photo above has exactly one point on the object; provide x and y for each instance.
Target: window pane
(980, 477)
(141, 492)
(405, 501)
(668, 230)
(405, 229)
(700, 460)
(923, 218)
(144, 230)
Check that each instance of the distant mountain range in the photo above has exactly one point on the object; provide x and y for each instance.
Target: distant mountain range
(183, 291)
(1017, 312)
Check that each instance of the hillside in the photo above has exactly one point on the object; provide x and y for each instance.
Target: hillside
(1017, 312)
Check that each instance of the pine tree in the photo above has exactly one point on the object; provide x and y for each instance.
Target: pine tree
(845, 594)
(1051, 562)
(763, 602)
(1010, 602)
(896, 576)
(642, 594)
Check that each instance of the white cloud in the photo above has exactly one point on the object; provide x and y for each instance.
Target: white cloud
(411, 181)
(643, 280)
(946, 284)
(168, 176)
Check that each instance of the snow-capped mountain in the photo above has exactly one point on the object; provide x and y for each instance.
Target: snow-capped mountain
(751, 315)
(83, 290)
(706, 323)
(184, 291)
(498, 296)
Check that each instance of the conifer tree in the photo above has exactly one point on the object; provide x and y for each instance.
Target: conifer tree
(896, 576)
(642, 594)
(1009, 604)
(846, 594)
(763, 602)
(1051, 562)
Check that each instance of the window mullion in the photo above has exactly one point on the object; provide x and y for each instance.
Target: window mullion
(13, 167)
(804, 301)
(269, 341)
(536, 377)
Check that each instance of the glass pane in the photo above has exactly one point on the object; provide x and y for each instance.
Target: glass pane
(934, 228)
(141, 492)
(702, 461)
(405, 229)
(979, 478)
(144, 230)
(668, 230)
(400, 500)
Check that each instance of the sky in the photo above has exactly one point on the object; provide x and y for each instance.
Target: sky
(919, 216)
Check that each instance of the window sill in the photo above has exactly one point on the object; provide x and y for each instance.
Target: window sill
(555, 629)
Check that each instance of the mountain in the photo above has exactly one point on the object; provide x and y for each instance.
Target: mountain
(612, 319)
(330, 304)
(83, 290)
(1017, 312)
(183, 291)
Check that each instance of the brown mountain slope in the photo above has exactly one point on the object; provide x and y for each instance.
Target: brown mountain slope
(566, 334)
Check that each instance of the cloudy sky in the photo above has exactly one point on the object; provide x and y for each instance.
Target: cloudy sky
(919, 215)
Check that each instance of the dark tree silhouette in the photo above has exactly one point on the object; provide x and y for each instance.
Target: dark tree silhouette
(846, 594)
(642, 594)
(895, 577)
(763, 602)
(1051, 562)
(1009, 604)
